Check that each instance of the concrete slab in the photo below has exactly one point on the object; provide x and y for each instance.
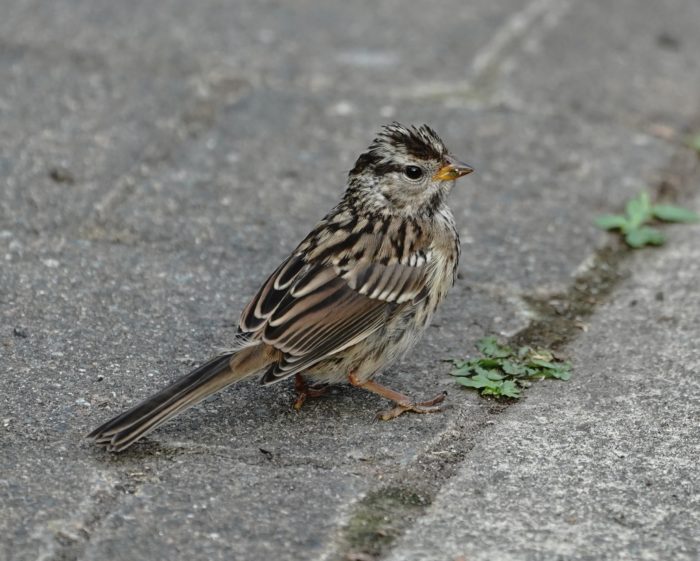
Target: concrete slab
(604, 466)
(158, 159)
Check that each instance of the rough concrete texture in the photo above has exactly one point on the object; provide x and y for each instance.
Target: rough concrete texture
(605, 466)
(158, 159)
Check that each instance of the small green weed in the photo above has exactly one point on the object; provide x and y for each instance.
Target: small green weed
(502, 371)
(639, 213)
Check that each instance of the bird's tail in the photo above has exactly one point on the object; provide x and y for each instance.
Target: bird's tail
(123, 430)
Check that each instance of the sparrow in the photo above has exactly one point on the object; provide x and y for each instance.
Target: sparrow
(354, 295)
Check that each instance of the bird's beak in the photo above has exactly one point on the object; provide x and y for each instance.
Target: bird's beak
(452, 169)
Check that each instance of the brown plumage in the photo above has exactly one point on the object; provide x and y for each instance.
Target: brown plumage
(355, 294)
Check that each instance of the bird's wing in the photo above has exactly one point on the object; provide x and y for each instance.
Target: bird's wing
(309, 311)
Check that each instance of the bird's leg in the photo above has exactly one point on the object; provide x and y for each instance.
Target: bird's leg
(305, 391)
(403, 402)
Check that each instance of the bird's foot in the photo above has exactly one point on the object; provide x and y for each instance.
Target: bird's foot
(305, 391)
(403, 402)
(430, 406)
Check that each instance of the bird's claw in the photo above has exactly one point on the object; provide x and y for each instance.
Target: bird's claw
(429, 406)
(305, 391)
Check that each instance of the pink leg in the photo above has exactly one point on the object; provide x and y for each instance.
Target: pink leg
(403, 402)
(304, 391)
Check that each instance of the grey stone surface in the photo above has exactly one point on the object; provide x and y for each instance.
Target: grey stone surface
(158, 159)
(604, 466)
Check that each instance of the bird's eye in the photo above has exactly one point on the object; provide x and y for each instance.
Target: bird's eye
(413, 172)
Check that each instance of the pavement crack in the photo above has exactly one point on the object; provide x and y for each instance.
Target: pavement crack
(384, 514)
(561, 317)
(523, 30)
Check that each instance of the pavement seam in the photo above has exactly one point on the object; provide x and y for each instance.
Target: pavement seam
(525, 27)
(554, 327)
(403, 496)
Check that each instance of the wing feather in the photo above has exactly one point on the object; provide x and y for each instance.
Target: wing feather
(312, 310)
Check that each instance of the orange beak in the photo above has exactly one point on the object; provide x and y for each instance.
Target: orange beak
(452, 169)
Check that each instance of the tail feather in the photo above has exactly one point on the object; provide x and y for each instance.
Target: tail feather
(123, 430)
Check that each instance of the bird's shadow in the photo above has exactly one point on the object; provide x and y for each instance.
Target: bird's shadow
(246, 414)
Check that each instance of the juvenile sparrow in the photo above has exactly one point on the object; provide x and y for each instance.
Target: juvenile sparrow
(354, 295)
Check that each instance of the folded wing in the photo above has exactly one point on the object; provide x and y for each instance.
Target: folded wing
(310, 311)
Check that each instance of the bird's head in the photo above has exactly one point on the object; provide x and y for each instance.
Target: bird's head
(408, 167)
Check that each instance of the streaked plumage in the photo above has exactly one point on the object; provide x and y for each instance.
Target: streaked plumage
(353, 296)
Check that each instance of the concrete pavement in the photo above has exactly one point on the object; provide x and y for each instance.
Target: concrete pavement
(158, 160)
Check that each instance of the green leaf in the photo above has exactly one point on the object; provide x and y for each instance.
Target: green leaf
(559, 370)
(510, 389)
(489, 362)
(561, 374)
(456, 363)
(494, 391)
(611, 222)
(671, 213)
(504, 373)
(479, 381)
(645, 235)
(638, 211)
(543, 363)
(513, 368)
(461, 371)
(492, 348)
